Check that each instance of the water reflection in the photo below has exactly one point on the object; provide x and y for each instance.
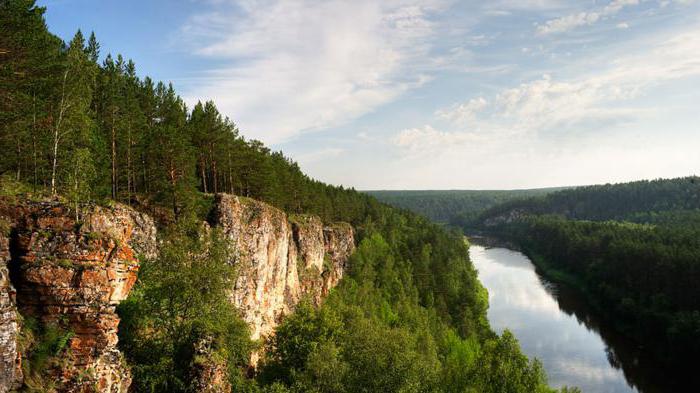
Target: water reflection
(553, 324)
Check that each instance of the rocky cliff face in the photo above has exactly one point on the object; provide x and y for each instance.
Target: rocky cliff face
(209, 375)
(281, 260)
(10, 357)
(71, 275)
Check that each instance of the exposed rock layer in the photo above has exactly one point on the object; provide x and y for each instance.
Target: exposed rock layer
(71, 275)
(10, 356)
(280, 262)
(209, 374)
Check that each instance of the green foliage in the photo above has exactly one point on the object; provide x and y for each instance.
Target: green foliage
(633, 249)
(375, 333)
(80, 178)
(181, 299)
(456, 207)
(611, 201)
(410, 316)
(503, 368)
(44, 346)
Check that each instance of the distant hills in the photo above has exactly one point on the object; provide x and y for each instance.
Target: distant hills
(455, 206)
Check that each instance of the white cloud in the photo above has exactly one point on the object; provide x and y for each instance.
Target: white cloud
(666, 3)
(464, 112)
(572, 21)
(426, 138)
(299, 65)
(623, 25)
(546, 104)
(568, 22)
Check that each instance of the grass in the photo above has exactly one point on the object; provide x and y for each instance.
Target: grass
(43, 346)
(5, 227)
(327, 263)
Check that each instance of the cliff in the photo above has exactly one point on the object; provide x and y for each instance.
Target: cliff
(69, 277)
(281, 259)
(10, 357)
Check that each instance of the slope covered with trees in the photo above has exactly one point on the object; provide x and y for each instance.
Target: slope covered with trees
(633, 248)
(612, 201)
(410, 316)
(455, 207)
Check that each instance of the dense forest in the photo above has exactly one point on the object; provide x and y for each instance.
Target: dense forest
(612, 201)
(455, 207)
(410, 316)
(632, 248)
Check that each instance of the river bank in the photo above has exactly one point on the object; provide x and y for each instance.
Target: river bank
(553, 322)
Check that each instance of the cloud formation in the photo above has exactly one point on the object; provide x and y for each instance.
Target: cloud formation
(301, 65)
(572, 21)
(426, 138)
(549, 105)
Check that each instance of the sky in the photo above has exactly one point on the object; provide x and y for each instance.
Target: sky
(435, 94)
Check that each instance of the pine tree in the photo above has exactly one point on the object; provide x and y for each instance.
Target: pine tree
(93, 48)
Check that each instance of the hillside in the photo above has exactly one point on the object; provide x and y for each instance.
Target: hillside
(612, 201)
(453, 206)
(85, 136)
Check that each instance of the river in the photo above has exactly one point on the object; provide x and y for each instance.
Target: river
(553, 324)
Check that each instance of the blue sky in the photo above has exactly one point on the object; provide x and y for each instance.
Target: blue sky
(433, 94)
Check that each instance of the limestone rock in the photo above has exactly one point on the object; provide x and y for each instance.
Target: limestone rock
(10, 356)
(72, 275)
(279, 262)
(260, 239)
(339, 244)
(208, 374)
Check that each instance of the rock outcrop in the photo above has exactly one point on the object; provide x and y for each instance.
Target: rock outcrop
(70, 275)
(339, 243)
(280, 259)
(10, 356)
(209, 374)
(507, 217)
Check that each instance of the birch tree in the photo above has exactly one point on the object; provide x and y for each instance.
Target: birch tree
(71, 119)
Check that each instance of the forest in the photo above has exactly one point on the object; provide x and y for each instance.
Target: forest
(83, 126)
(632, 248)
(454, 207)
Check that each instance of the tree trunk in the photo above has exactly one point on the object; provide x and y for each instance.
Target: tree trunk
(213, 176)
(114, 157)
(34, 153)
(145, 173)
(128, 167)
(19, 160)
(203, 172)
(173, 183)
(55, 161)
(57, 133)
(230, 173)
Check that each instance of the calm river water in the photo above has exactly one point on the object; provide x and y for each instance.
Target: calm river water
(553, 324)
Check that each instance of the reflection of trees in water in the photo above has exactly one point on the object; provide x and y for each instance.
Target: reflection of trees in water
(640, 371)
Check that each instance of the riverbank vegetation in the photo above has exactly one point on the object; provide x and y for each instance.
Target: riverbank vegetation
(410, 317)
(633, 248)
